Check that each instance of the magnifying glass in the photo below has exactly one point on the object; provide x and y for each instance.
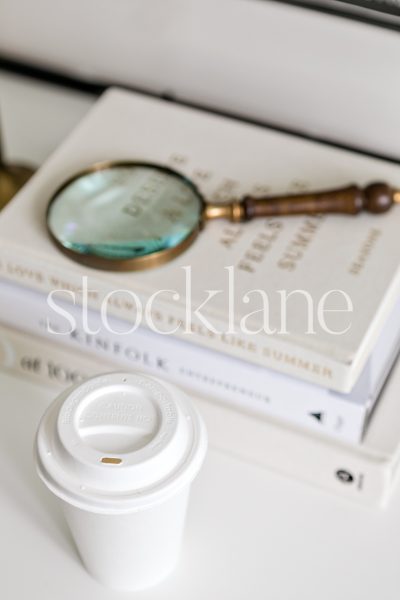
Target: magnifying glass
(127, 216)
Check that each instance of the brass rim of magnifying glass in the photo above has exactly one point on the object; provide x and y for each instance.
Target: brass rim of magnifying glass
(138, 263)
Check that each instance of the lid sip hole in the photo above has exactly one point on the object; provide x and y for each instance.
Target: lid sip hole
(109, 460)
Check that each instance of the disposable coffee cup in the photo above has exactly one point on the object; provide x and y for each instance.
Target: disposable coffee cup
(120, 451)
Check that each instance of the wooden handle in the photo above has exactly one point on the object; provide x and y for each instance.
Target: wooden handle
(375, 198)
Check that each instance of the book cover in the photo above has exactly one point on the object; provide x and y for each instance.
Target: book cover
(316, 255)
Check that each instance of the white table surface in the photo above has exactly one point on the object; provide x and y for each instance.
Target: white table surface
(251, 533)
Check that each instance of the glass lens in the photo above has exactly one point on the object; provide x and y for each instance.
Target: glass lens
(124, 212)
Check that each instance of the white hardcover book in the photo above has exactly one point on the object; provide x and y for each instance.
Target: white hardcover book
(364, 473)
(357, 255)
(237, 383)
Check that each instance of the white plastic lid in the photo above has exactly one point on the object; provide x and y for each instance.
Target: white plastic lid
(119, 442)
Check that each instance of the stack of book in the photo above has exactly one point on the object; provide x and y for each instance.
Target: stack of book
(284, 330)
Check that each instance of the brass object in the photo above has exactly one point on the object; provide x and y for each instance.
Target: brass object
(12, 178)
(396, 196)
(138, 263)
(233, 211)
(130, 216)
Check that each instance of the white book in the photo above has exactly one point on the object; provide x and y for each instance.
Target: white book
(358, 255)
(237, 383)
(364, 473)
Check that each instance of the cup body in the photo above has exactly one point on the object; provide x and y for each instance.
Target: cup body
(131, 551)
(120, 451)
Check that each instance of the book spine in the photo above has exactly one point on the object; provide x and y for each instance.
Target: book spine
(335, 467)
(237, 383)
(266, 351)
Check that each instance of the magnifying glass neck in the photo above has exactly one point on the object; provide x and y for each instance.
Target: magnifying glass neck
(233, 211)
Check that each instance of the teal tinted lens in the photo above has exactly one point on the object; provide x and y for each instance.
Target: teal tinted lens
(124, 212)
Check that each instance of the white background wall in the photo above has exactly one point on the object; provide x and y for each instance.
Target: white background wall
(306, 71)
